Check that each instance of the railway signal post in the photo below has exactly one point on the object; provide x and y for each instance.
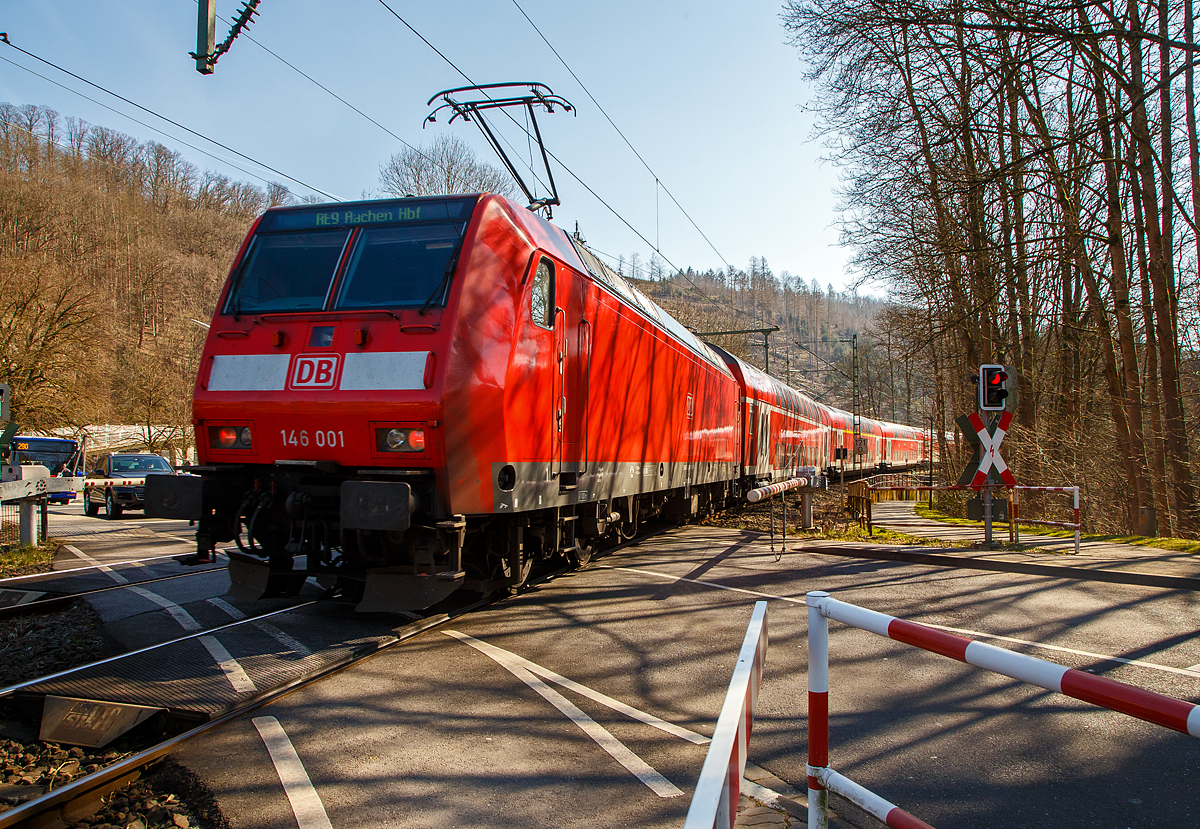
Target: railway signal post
(996, 386)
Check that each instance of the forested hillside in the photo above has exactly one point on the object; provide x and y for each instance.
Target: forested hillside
(813, 348)
(110, 251)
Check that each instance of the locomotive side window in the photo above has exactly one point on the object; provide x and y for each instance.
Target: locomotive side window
(393, 267)
(287, 272)
(541, 305)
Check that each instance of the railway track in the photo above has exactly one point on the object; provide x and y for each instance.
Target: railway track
(84, 795)
(45, 602)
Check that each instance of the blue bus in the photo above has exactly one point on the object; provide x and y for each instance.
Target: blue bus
(62, 456)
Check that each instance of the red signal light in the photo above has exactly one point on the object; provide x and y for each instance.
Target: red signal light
(993, 387)
(227, 437)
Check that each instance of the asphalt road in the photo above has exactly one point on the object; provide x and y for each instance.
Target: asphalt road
(507, 717)
(128, 537)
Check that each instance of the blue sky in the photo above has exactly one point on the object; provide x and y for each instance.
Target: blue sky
(707, 92)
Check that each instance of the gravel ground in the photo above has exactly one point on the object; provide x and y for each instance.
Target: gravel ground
(33, 646)
(829, 516)
(41, 644)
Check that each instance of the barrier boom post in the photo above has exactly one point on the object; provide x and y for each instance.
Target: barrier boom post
(714, 803)
(818, 712)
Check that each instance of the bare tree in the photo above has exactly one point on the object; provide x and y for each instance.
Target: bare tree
(446, 165)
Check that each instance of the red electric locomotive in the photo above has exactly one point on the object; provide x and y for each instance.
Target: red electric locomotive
(409, 397)
(430, 393)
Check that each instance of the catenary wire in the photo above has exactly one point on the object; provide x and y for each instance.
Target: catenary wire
(657, 181)
(467, 77)
(569, 171)
(200, 150)
(342, 100)
(168, 120)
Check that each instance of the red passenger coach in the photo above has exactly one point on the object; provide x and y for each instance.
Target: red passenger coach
(783, 429)
(408, 397)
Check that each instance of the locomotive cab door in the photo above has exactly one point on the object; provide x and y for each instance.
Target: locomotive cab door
(573, 340)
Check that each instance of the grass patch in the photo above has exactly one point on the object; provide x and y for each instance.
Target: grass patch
(1176, 545)
(879, 536)
(23, 559)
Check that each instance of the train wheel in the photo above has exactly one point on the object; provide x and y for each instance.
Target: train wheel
(503, 572)
(581, 554)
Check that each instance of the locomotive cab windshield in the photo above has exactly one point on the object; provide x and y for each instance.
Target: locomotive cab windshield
(395, 255)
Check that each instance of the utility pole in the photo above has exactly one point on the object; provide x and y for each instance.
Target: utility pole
(766, 332)
(206, 35)
(856, 417)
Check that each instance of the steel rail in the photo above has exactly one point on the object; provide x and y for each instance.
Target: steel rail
(12, 689)
(70, 803)
(52, 602)
(98, 566)
(73, 801)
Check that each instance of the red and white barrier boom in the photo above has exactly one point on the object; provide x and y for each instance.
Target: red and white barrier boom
(714, 803)
(104, 483)
(762, 493)
(1116, 696)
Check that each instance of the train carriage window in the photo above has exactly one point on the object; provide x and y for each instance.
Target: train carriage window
(287, 272)
(395, 267)
(541, 306)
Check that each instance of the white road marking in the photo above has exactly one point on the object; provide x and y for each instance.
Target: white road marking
(229, 666)
(185, 619)
(974, 634)
(658, 784)
(306, 803)
(288, 641)
(545, 673)
(139, 562)
(112, 574)
(237, 677)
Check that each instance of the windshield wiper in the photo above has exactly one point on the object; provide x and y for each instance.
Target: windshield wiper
(451, 264)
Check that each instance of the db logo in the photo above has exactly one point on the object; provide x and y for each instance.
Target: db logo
(315, 372)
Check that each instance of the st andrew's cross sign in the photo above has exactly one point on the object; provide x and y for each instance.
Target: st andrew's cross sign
(987, 467)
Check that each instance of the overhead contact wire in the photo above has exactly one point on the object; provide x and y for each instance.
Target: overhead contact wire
(465, 76)
(588, 92)
(148, 111)
(570, 172)
(151, 127)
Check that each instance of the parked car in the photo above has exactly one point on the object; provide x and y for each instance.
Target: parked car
(120, 482)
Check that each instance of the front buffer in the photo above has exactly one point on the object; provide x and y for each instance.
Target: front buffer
(356, 537)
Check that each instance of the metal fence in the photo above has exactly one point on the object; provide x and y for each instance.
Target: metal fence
(10, 530)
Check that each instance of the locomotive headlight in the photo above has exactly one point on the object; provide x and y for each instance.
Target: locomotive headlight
(400, 440)
(229, 437)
